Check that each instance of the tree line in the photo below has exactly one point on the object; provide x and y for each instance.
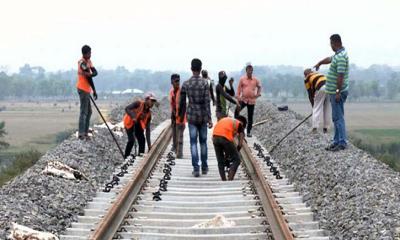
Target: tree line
(378, 82)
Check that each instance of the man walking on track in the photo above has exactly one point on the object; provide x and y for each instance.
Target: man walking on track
(196, 89)
(223, 95)
(249, 89)
(85, 86)
(224, 134)
(178, 126)
(337, 86)
(315, 85)
(137, 119)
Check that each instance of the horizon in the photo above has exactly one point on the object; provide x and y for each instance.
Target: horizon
(322, 68)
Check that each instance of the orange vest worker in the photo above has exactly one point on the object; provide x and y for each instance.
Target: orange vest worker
(129, 122)
(83, 83)
(227, 127)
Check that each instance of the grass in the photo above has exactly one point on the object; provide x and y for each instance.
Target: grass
(373, 127)
(377, 136)
(22, 161)
(35, 127)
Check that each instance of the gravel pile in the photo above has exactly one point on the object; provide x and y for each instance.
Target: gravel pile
(353, 195)
(51, 204)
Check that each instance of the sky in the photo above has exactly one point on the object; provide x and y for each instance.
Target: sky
(167, 34)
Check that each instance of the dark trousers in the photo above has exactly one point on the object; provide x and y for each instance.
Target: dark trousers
(173, 126)
(139, 134)
(85, 112)
(220, 115)
(180, 128)
(250, 113)
(131, 141)
(224, 148)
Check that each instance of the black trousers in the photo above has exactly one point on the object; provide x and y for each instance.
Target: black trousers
(173, 126)
(250, 113)
(224, 148)
(131, 141)
(139, 134)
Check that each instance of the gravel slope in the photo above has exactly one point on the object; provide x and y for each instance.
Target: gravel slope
(353, 195)
(48, 203)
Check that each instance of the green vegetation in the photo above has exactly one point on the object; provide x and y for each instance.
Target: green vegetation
(3, 132)
(384, 144)
(22, 162)
(377, 82)
(61, 136)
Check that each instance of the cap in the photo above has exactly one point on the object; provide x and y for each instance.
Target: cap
(151, 96)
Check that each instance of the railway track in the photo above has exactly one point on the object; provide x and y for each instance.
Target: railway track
(158, 198)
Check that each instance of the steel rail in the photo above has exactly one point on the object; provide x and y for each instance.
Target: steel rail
(110, 223)
(280, 228)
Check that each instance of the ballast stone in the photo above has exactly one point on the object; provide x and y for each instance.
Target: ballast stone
(353, 195)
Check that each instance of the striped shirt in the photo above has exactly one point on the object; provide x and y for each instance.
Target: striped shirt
(313, 82)
(339, 65)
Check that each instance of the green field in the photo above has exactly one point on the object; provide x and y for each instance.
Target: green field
(373, 127)
(377, 136)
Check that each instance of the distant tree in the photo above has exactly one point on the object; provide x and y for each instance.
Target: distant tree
(393, 87)
(3, 132)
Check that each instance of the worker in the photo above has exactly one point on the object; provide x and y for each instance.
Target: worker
(224, 134)
(204, 74)
(137, 119)
(337, 88)
(177, 125)
(198, 114)
(315, 85)
(86, 72)
(223, 95)
(249, 89)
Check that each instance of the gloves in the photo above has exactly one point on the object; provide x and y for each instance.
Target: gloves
(94, 95)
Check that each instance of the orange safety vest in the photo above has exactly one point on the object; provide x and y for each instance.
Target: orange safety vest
(83, 83)
(129, 122)
(226, 127)
(178, 95)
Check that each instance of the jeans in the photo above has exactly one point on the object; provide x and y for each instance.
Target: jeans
(85, 112)
(200, 130)
(250, 113)
(338, 118)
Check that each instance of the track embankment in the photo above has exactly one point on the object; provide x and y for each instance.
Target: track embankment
(353, 195)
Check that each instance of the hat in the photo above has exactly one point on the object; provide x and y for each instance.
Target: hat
(151, 96)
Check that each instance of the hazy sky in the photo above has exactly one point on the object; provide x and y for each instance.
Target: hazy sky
(224, 34)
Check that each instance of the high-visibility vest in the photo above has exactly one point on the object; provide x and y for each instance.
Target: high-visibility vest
(83, 83)
(226, 127)
(129, 122)
(176, 96)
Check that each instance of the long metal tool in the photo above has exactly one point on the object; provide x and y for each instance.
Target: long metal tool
(298, 125)
(112, 134)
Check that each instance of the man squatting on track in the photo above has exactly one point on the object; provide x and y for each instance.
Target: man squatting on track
(137, 118)
(177, 125)
(224, 134)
